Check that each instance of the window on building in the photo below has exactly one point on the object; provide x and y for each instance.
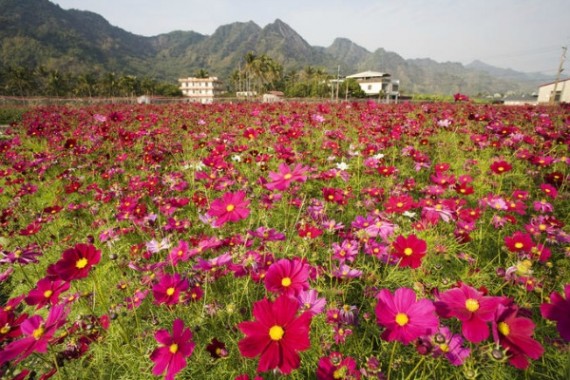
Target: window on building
(369, 87)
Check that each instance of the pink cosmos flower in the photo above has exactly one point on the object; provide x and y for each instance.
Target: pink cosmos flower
(309, 301)
(36, 335)
(558, 310)
(168, 289)
(231, 207)
(282, 179)
(335, 366)
(47, 291)
(450, 345)
(404, 317)
(276, 335)
(471, 307)
(286, 276)
(171, 355)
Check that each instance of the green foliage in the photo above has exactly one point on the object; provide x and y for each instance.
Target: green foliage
(9, 115)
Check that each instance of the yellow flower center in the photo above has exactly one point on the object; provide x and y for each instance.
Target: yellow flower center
(472, 305)
(48, 293)
(288, 176)
(444, 347)
(286, 281)
(230, 208)
(402, 319)
(504, 328)
(170, 291)
(276, 332)
(5, 329)
(173, 348)
(81, 263)
(519, 245)
(37, 333)
(399, 204)
(408, 251)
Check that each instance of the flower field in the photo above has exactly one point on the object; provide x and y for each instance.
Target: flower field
(290, 240)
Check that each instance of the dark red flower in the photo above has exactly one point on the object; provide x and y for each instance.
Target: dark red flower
(75, 262)
(558, 310)
(514, 333)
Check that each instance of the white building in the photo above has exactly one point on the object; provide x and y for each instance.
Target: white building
(545, 91)
(202, 90)
(376, 83)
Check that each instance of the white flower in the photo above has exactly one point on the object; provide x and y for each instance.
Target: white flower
(342, 165)
(378, 156)
(236, 158)
(409, 214)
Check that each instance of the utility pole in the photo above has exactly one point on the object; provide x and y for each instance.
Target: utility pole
(560, 69)
(337, 81)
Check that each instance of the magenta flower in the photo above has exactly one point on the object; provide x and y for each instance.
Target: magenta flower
(471, 307)
(450, 345)
(276, 335)
(36, 335)
(47, 291)
(286, 276)
(404, 317)
(171, 355)
(515, 334)
(231, 207)
(168, 289)
(282, 179)
(558, 310)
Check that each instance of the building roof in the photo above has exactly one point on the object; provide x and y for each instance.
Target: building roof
(548, 84)
(368, 74)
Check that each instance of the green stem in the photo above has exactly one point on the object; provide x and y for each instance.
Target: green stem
(391, 359)
(415, 368)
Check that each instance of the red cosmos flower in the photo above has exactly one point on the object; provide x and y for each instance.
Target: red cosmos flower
(514, 333)
(399, 204)
(171, 355)
(471, 307)
(288, 277)
(168, 289)
(405, 318)
(410, 250)
(46, 291)
(75, 262)
(500, 167)
(37, 333)
(231, 207)
(276, 335)
(519, 242)
(558, 310)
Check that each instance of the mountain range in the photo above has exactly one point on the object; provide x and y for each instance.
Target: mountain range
(38, 32)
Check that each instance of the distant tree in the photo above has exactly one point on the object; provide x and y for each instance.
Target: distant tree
(201, 73)
(352, 89)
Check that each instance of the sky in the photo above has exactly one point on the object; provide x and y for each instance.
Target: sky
(525, 35)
